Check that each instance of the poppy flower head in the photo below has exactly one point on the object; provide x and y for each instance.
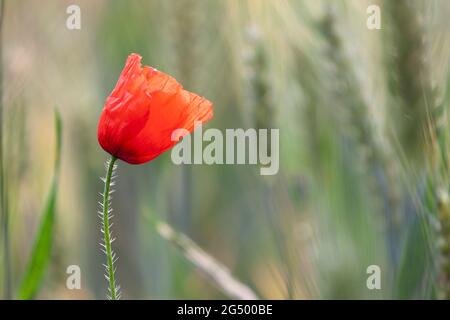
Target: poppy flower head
(143, 110)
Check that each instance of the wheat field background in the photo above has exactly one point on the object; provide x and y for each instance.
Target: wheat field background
(364, 140)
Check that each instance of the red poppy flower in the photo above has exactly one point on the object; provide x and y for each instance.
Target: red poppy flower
(143, 110)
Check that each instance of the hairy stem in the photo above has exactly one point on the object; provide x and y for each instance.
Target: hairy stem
(107, 245)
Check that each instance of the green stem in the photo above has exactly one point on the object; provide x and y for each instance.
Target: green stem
(106, 231)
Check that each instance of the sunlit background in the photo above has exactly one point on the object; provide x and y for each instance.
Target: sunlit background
(363, 120)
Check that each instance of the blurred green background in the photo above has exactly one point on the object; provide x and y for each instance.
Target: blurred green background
(363, 120)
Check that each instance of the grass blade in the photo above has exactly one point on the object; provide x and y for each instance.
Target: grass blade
(41, 253)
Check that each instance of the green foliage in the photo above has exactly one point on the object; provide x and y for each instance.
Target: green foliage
(43, 244)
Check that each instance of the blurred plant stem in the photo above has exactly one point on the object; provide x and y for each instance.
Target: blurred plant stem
(107, 245)
(256, 65)
(213, 270)
(186, 36)
(439, 182)
(3, 192)
(375, 154)
(409, 77)
(443, 208)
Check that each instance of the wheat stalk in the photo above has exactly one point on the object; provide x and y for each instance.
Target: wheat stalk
(213, 270)
(409, 77)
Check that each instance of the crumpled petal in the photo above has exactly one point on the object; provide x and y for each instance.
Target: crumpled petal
(143, 110)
